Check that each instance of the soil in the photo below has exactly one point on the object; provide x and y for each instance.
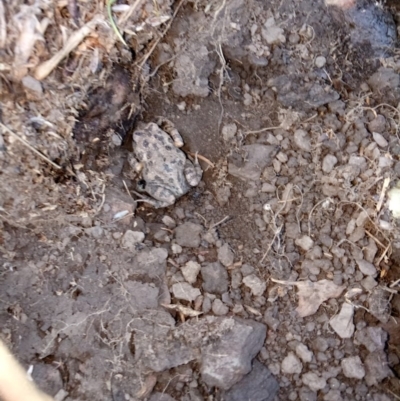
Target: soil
(276, 278)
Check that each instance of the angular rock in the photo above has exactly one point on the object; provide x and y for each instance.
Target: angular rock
(228, 359)
(219, 308)
(215, 278)
(272, 33)
(229, 131)
(226, 255)
(377, 368)
(258, 385)
(142, 295)
(150, 263)
(291, 364)
(304, 353)
(188, 235)
(131, 238)
(343, 322)
(190, 271)
(185, 291)
(256, 285)
(366, 268)
(302, 140)
(373, 338)
(250, 165)
(328, 163)
(304, 242)
(156, 346)
(352, 367)
(313, 381)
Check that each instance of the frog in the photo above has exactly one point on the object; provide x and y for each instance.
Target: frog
(164, 171)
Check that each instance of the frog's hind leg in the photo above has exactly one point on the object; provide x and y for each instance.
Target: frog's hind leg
(157, 204)
(169, 127)
(193, 172)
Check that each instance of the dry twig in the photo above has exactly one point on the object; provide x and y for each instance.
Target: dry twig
(44, 69)
(29, 146)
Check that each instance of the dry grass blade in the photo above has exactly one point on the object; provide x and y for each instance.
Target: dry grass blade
(29, 146)
(385, 186)
(112, 22)
(44, 69)
(3, 30)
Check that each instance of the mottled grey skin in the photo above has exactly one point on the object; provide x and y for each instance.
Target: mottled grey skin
(167, 172)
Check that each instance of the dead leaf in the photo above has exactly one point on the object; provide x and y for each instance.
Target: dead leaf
(312, 295)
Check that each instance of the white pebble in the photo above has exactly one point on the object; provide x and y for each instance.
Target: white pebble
(320, 61)
(305, 242)
(329, 163)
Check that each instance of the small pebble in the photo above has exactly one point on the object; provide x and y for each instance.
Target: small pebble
(229, 131)
(291, 364)
(366, 268)
(329, 163)
(185, 291)
(304, 353)
(353, 368)
(320, 61)
(257, 286)
(302, 140)
(219, 308)
(380, 140)
(313, 381)
(304, 242)
(190, 271)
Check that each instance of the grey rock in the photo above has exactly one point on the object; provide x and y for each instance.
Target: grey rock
(291, 364)
(48, 378)
(188, 235)
(305, 394)
(380, 140)
(294, 93)
(305, 242)
(192, 69)
(150, 263)
(131, 238)
(333, 395)
(371, 25)
(142, 295)
(156, 346)
(185, 291)
(273, 33)
(190, 271)
(215, 278)
(226, 255)
(229, 131)
(313, 381)
(302, 140)
(256, 285)
(258, 385)
(378, 124)
(304, 353)
(249, 166)
(352, 367)
(343, 322)
(369, 283)
(366, 268)
(32, 84)
(373, 338)
(328, 163)
(219, 308)
(383, 80)
(169, 221)
(376, 367)
(228, 359)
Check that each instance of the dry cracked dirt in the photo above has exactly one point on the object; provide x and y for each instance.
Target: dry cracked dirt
(276, 277)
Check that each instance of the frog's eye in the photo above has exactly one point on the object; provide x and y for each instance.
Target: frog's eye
(141, 185)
